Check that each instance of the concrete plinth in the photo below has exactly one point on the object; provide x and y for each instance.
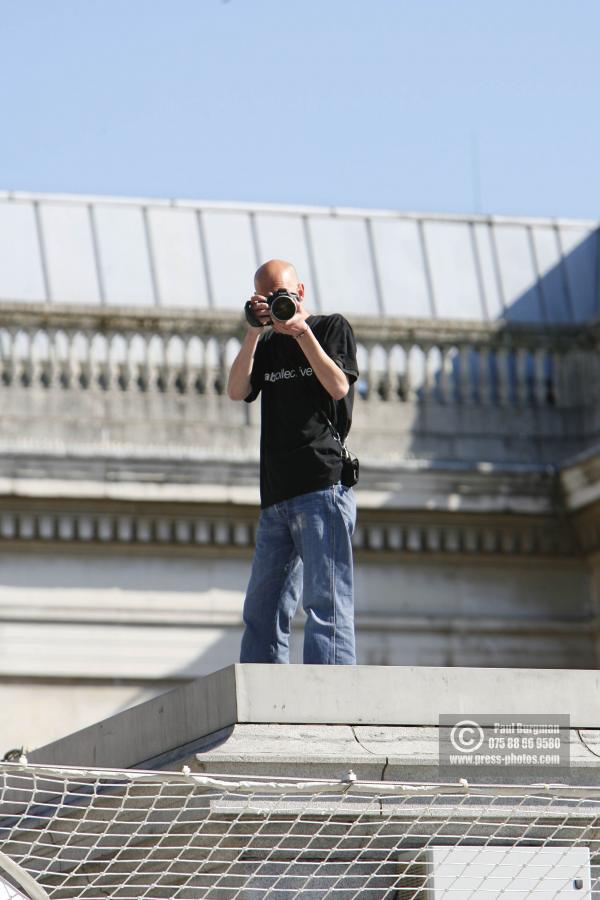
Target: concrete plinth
(320, 721)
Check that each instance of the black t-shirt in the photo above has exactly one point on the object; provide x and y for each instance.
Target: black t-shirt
(298, 452)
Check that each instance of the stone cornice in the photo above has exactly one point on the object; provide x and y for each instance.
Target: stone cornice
(100, 523)
(227, 323)
(203, 505)
(440, 488)
(123, 319)
(193, 503)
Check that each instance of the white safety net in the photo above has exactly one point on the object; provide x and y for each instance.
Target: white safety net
(97, 834)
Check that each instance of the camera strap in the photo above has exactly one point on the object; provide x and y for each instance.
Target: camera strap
(336, 434)
(319, 410)
(350, 463)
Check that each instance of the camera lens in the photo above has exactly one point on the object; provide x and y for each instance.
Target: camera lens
(283, 307)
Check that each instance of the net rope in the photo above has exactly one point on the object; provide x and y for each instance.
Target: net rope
(97, 833)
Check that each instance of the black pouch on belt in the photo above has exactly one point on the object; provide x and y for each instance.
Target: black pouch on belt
(350, 467)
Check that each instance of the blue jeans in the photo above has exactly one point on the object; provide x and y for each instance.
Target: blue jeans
(303, 549)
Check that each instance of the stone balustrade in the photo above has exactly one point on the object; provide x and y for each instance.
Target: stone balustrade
(401, 361)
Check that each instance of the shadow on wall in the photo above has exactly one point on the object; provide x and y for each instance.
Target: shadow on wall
(568, 292)
(494, 401)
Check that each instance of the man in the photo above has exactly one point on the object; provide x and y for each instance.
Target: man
(305, 368)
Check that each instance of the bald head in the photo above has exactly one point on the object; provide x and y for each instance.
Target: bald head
(275, 274)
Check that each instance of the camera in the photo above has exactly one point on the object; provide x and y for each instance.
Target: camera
(282, 306)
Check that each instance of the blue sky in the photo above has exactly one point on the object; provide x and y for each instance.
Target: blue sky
(425, 105)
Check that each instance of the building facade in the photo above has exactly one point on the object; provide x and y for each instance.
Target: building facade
(128, 480)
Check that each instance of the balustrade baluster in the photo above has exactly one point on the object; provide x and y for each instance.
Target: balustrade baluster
(371, 375)
(60, 357)
(10, 367)
(445, 375)
(192, 364)
(540, 384)
(503, 375)
(161, 343)
(556, 377)
(35, 360)
(174, 361)
(408, 381)
(589, 376)
(181, 380)
(464, 389)
(206, 369)
(222, 368)
(428, 363)
(476, 373)
(485, 384)
(125, 368)
(66, 365)
(48, 373)
(522, 376)
(100, 345)
(389, 377)
(112, 363)
(171, 367)
(84, 371)
(151, 364)
(143, 366)
(451, 374)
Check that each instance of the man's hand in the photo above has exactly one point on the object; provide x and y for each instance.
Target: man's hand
(292, 327)
(260, 309)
